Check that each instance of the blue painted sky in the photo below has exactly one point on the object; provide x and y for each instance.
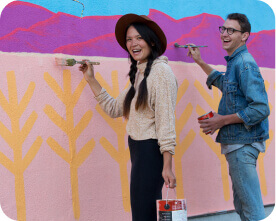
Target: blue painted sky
(259, 13)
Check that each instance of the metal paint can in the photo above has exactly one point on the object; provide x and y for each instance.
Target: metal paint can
(206, 116)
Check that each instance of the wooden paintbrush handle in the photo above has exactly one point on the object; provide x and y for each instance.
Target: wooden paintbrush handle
(94, 62)
(90, 62)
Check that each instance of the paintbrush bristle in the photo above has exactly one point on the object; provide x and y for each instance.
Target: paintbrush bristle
(65, 62)
(60, 61)
(70, 62)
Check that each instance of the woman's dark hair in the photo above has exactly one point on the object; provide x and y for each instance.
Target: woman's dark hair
(155, 50)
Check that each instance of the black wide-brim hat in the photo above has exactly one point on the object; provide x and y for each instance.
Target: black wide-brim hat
(124, 22)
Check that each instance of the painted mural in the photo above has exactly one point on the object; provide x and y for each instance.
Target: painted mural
(62, 157)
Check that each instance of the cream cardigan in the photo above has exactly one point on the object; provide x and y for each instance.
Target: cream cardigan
(157, 121)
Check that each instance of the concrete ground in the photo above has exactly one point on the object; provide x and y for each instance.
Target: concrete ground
(226, 216)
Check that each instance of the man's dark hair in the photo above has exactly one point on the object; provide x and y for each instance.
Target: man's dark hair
(243, 21)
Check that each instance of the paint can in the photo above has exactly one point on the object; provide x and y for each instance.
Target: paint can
(171, 210)
(206, 116)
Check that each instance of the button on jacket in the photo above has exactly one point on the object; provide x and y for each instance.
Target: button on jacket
(243, 93)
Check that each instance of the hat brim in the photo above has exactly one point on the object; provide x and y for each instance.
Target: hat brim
(124, 22)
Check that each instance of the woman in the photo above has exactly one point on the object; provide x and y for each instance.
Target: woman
(148, 104)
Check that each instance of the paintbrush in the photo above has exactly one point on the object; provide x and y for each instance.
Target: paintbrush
(72, 62)
(186, 46)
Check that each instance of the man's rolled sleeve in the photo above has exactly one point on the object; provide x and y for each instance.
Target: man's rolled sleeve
(253, 88)
(242, 115)
(214, 79)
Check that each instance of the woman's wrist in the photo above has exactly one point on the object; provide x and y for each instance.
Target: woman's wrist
(95, 86)
(167, 160)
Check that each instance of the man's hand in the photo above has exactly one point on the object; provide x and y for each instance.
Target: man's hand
(212, 124)
(218, 121)
(195, 54)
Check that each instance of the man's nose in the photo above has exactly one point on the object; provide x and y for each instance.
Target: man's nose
(225, 33)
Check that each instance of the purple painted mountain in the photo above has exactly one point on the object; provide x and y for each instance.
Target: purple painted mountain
(262, 48)
(21, 15)
(36, 29)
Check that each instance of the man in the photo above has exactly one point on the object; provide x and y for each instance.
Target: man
(242, 114)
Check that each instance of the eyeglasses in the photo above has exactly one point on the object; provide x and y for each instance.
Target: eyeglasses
(230, 31)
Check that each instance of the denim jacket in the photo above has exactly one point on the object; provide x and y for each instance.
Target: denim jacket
(243, 93)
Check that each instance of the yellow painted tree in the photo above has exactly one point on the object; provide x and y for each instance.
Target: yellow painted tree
(73, 158)
(182, 146)
(262, 155)
(215, 147)
(16, 137)
(120, 155)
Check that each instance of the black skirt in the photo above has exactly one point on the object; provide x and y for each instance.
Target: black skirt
(146, 180)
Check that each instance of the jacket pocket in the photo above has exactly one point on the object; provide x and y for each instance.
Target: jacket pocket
(231, 96)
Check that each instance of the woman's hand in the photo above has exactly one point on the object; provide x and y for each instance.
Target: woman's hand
(169, 178)
(87, 70)
(167, 173)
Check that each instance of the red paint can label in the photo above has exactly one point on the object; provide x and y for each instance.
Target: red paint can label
(206, 116)
(170, 210)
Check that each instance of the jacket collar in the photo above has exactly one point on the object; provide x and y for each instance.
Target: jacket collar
(236, 52)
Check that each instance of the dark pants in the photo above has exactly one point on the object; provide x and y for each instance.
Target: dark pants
(146, 180)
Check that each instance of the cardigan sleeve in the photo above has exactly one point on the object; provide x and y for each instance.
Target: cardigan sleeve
(165, 101)
(112, 106)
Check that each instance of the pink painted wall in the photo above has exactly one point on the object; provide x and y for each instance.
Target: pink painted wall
(62, 158)
(52, 122)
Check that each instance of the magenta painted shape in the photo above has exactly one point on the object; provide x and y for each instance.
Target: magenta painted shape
(21, 15)
(36, 29)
